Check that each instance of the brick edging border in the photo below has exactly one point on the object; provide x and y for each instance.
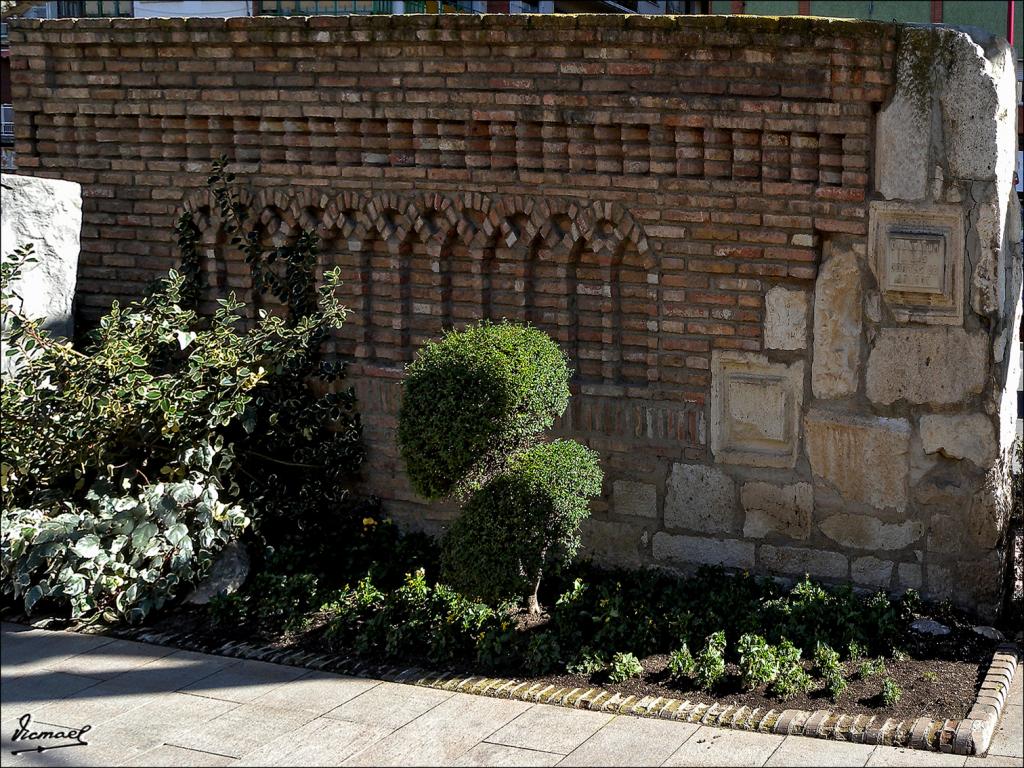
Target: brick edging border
(970, 736)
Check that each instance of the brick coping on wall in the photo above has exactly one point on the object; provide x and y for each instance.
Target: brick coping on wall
(970, 736)
(778, 24)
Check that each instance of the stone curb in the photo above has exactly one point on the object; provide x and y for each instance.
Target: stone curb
(970, 736)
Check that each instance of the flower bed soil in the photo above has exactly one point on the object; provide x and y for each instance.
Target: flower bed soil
(939, 676)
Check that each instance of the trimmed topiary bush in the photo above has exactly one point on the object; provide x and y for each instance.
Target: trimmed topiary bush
(474, 398)
(522, 521)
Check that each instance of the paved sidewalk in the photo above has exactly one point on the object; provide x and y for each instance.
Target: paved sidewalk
(151, 705)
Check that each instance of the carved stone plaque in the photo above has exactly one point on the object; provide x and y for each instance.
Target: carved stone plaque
(916, 253)
(755, 409)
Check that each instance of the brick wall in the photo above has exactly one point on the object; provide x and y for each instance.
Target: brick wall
(633, 185)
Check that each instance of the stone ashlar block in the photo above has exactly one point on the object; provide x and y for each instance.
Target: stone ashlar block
(870, 533)
(700, 498)
(940, 366)
(755, 409)
(634, 499)
(798, 561)
(866, 459)
(699, 550)
(917, 255)
(785, 319)
(782, 509)
(963, 436)
(838, 316)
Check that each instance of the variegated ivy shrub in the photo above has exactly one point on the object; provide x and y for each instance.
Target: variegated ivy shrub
(119, 461)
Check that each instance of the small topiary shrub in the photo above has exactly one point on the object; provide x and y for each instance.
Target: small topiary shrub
(522, 521)
(472, 399)
(624, 666)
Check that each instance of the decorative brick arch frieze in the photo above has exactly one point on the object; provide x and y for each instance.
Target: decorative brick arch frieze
(413, 265)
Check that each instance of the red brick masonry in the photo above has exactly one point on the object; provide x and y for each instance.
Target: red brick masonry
(634, 185)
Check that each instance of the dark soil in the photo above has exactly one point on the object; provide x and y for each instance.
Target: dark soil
(939, 676)
(936, 688)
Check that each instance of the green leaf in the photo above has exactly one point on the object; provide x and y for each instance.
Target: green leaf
(32, 597)
(88, 546)
(142, 535)
(177, 533)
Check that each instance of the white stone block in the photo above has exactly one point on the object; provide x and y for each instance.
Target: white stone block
(755, 409)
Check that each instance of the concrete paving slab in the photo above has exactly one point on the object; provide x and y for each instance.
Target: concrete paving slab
(33, 689)
(172, 757)
(171, 672)
(316, 692)
(111, 659)
(630, 741)
(319, 742)
(159, 721)
(1009, 736)
(444, 734)
(30, 650)
(243, 682)
(389, 705)
(500, 755)
(241, 730)
(912, 757)
(822, 753)
(994, 761)
(95, 705)
(550, 729)
(720, 747)
(92, 753)
(1017, 688)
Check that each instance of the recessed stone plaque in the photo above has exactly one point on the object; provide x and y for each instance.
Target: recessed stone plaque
(916, 253)
(755, 409)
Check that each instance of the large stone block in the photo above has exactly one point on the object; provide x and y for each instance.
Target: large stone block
(755, 409)
(700, 498)
(902, 140)
(990, 510)
(798, 561)
(963, 436)
(48, 214)
(940, 366)
(697, 550)
(837, 326)
(978, 127)
(917, 255)
(785, 319)
(871, 572)
(866, 459)
(612, 543)
(909, 576)
(782, 509)
(634, 499)
(867, 532)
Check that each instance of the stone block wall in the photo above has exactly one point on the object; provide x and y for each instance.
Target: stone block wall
(782, 254)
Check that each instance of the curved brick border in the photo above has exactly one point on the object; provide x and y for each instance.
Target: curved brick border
(970, 736)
